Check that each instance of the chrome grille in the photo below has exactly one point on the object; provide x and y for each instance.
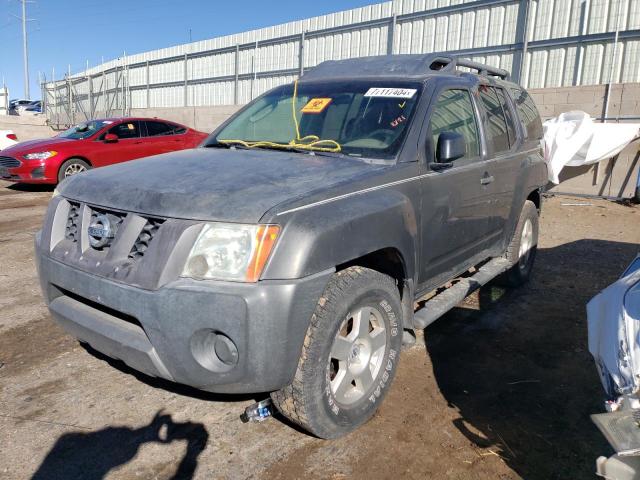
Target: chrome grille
(144, 239)
(9, 162)
(71, 230)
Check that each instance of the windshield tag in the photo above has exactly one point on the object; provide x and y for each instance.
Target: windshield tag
(391, 92)
(316, 105)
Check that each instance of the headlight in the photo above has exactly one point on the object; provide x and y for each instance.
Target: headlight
(40, 155)
(55, 193)
(230, 251)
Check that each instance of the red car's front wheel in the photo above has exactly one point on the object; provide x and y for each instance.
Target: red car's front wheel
(73, 166)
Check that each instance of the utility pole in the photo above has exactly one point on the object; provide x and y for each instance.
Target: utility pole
(25, 50)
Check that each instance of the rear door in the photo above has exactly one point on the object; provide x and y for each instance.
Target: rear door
(161, 137)
(455, 211)
(128, 147)
(505, 162)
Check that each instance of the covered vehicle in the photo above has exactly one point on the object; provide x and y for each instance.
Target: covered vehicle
(614, 342)
(93, 144)
(614, 334)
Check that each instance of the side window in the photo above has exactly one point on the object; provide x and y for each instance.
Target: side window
(126, 130)
(454, 113)
(528, 114)
(159, 129)
(508, 115)
(496, 128)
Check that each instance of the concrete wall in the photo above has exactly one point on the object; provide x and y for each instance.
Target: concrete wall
(616, 177)
(205, 119)
(26, 128)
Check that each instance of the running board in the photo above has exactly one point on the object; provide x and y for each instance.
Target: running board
(442, 302)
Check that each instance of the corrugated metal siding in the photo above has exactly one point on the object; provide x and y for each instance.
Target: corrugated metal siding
(567, 44)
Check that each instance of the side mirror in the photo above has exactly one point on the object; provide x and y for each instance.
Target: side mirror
(110, 138)
(451, 146)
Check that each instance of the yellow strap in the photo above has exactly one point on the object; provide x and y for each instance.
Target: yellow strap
(293, 108)
(309, 142)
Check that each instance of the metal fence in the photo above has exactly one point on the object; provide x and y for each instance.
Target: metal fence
(544, 43)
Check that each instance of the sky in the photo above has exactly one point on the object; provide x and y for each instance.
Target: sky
(72, 32)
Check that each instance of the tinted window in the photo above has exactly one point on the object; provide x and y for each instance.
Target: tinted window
(528, 114)
(126, 130)
(454, 113)
(159, 129)
(508, 115)
(496, 127)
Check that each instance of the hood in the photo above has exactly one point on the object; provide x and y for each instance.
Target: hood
(212, 184)
(32, 145)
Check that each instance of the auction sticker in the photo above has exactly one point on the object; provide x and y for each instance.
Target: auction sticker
(316, 105)
(391, 92)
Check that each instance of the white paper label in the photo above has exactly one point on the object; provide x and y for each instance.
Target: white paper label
(391, 92)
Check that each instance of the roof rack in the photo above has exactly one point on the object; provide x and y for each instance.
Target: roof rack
(448, 63)
(483, 69)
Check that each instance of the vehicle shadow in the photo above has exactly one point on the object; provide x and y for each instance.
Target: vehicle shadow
(92, 455)
(185, 390)
(517, 368)
(169, 386)
(29, 187)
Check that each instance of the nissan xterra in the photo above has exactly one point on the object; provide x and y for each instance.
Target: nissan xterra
(285, 254)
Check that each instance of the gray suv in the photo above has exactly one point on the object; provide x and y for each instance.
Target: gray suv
(285, 254)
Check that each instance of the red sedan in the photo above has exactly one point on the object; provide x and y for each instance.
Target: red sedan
(93, 144)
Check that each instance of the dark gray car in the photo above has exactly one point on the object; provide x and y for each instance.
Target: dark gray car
(285, 254)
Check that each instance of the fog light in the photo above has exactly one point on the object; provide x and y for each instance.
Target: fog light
(37, 172)
(226, 350)
(214, 350)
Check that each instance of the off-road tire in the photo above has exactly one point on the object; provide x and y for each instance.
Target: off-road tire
(308, 401)
(520, 272)
(70, 163)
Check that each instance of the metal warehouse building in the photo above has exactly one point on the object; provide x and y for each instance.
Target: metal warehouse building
(544, 43)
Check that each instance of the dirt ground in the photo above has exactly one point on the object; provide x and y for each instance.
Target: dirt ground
(502, 387)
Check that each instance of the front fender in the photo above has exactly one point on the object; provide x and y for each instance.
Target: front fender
(322, 236)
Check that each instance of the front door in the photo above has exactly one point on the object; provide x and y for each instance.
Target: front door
(456, 201)
(128, 147)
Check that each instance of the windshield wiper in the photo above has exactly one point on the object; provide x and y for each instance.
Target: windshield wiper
(297, 149)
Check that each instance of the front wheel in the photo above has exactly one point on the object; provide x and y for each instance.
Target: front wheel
(349, 357)
(73, 166)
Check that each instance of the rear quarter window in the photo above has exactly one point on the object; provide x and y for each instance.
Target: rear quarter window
(528, 114)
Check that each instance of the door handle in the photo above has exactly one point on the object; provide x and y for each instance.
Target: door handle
(486, 180)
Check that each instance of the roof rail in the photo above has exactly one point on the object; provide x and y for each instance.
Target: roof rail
(483, 69)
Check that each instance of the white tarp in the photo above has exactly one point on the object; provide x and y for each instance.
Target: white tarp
(614, 333)
(573, 139)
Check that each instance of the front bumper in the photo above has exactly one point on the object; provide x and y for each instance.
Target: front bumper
(30, 171)
(160, 332)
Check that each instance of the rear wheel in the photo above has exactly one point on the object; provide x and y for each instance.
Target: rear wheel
(522, 248)
(349, 357)
(71, 167)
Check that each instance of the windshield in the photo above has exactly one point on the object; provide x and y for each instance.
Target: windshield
(357, 118)
(84, 130)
